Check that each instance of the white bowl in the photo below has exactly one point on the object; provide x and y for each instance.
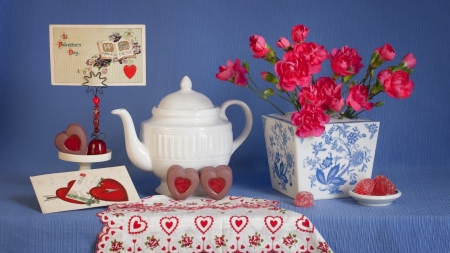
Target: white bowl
(369, 200)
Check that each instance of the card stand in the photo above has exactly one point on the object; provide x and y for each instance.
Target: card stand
(85, 161)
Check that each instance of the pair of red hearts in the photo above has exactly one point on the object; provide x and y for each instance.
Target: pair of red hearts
(183, 182)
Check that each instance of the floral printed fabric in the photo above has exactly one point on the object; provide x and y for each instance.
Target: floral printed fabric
(197, 224)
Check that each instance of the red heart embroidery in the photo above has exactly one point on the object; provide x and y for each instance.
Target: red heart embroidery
(304, 225)
(203, 223)
(181, 182)
(62, 192)
(109, 190)
(273, 223)
(73, 140)
(129, 70)
(168, 224)
(238, 223)
(216, 181)
(136, 225)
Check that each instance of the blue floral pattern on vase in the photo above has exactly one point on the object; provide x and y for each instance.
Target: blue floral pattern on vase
(329, 164)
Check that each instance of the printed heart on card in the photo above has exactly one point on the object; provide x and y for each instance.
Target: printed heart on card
(136, 225)
(238, 223)
(73, 140)
(203, 223)
(168, 224)
(216, 181)
(109, 190)
(273, 223)
(303, 224)
(181, 182)
(62, 192)
(129, 70)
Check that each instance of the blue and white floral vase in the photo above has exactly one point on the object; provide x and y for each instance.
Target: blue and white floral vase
(327, 166)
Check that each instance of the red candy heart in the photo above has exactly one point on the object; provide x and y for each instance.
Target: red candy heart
(109, 190)
(216, 181)
(73, 140)
(129, 70)
(62, 192)
(181, 182)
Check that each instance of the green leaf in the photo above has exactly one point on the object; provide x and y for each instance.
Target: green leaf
(379, 103)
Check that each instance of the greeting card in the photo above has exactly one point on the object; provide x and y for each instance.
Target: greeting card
(84, 189)
(95, 55)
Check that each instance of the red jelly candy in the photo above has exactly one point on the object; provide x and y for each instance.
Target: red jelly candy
(383, 186)
(304, 199)
(364, 187)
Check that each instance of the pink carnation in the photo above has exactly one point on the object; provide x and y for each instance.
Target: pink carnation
(293, 70)
(345, 61)
(332, 93)
(386, 52)
(310, 120)
(299, 33)
(233, 72)
(314, 53)
(258, 46)
(396, 84)
(357, 98)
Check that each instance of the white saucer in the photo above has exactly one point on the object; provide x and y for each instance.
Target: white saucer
(369, 200)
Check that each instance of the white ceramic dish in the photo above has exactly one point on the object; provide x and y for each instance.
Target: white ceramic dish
(85, 161)
(368, 200)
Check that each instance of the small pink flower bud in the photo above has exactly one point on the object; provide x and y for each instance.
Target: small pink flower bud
(283, 43)
(409, 61)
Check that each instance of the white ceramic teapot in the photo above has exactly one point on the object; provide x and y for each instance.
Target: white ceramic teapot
(186, 129)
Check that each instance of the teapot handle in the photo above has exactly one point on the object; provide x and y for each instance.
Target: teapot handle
(248, 121)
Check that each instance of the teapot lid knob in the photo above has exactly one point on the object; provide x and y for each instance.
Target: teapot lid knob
(186, 84)
(186, 98)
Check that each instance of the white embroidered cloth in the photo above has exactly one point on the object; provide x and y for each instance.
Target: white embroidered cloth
(197, 224)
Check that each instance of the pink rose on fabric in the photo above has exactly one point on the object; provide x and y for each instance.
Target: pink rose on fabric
(332, 93)
(314, 53)
(357, 98)
(233, 72)
(310, 120)
(258, 46)
(283, 43)
(293, 70)
(409, 61)
(396, 84)
(386, 52)
(345, 61)
(299, 33)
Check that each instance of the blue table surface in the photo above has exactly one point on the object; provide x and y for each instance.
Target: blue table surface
(419, 221)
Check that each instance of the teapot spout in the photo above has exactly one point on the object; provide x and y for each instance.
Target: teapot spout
(136, 150)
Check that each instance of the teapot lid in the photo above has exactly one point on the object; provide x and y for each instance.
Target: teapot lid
(185, 98)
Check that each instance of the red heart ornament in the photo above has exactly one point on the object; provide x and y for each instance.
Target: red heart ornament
(109, 190)
(129, 70)
(62, 192)
(181, 182)
(73, 140)
(216, 181)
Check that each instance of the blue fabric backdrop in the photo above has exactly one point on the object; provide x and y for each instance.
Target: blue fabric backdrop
(193, 38)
